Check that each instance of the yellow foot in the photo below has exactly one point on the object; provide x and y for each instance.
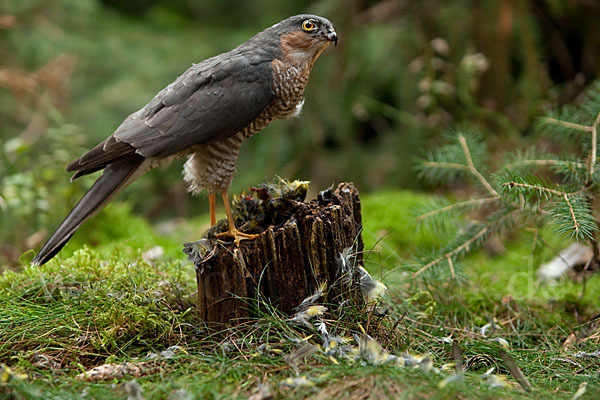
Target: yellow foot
(237, 235)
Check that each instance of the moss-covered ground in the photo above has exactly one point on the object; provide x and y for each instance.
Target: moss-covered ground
(105, 305)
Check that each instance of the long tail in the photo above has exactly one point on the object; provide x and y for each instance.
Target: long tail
(114, 178)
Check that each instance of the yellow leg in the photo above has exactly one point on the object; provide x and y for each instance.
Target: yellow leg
(211, 203)
(233, 232)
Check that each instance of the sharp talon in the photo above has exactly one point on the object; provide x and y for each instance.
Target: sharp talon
(233, 232)
(237, 235)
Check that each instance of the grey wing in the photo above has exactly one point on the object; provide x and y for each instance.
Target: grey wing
(211, 100)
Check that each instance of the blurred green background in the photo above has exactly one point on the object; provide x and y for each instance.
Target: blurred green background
(402, 74)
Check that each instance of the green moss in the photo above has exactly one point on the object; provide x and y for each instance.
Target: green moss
(390, 227)
(92, 306)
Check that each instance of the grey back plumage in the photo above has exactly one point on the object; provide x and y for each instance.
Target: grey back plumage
(211, 100)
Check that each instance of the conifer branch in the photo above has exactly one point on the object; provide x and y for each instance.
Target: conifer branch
(568, 124)
(575, 223)
(451, 265)
(542, 189)
(462, 247)
(564, 195)
(543, 163)
(460, 204)
(472, 169)
(568, 205)
(437, 164)
(534, 187)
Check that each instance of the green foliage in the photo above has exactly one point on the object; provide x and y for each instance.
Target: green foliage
(573, 217)
(446, 164)
(34, 194)
(92, 306)
(520, 195)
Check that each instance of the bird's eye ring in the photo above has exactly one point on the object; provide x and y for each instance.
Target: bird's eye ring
(308, 25)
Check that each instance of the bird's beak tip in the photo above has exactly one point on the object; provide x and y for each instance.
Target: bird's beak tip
(332, 36)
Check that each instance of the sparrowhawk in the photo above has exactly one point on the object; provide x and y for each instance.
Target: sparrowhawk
(205, 114)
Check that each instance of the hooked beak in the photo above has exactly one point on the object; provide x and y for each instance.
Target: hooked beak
(332, 37)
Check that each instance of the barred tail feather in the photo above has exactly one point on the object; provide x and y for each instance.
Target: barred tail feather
(115, 177)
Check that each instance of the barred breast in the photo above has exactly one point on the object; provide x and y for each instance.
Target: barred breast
(212, 166)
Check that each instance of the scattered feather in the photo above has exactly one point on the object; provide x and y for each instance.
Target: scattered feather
(448, 367)
(568, 360)
(166, 354)
(502, 342)
(334, 346)
(7, 374)
(346, 264)
(449, 379)
(423, 362)
(134, 390)
(515, 371)
(370, 288)
(310, 300)
(307, 310)
(153, 253)
(314, 311)
(262, 392)
(580, 391)
(296, 382)
(235, 345)
(372, 352)
(182, 394)
(304, 316)
(496, 381)
(44, 361)
(297, 355)
(298, 339)
(575, 254)
(485, 328)
(583, 354)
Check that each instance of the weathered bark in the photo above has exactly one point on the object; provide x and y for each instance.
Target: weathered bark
(285, 263)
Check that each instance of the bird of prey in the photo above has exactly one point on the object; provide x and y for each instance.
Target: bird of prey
(205, 114)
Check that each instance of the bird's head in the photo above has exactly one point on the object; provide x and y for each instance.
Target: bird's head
(305, 37)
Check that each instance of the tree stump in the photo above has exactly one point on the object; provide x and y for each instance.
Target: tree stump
(286, 263)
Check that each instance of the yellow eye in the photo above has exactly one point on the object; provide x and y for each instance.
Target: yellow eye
(308, 25)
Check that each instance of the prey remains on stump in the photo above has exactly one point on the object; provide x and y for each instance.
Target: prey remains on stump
(288, 260)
